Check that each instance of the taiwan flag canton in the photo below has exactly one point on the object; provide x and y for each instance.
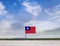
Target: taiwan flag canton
(30, 29)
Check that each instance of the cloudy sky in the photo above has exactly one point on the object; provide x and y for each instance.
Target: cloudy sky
(16, 14)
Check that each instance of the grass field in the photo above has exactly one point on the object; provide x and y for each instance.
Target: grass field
(29, 38)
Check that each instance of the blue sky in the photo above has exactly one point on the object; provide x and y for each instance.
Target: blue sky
(16, 14)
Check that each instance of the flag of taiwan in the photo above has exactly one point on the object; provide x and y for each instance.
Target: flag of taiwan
(30, 29)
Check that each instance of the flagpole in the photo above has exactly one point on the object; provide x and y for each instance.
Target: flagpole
(25, 35)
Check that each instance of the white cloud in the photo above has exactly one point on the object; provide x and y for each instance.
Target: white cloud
(4, 26)
(10, 28)
(42, 25)
(57, 10)
(33, 8)
(52, 22)
(6, 30)
(2, 9)
(55, 13)
(46, 10)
